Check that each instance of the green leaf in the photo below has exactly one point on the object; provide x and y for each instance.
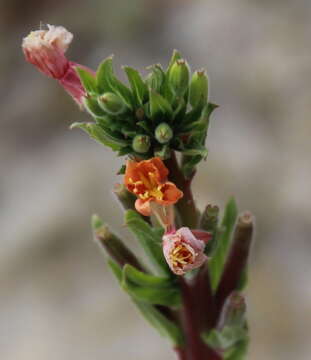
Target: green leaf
(226, 338)
(104, 75)
(156, 78)
(100, 135)
(88, 80)
(180, 110)
(175, 56)
(216, 264)
(159, 107)
(107, 82)
(148, 239)
(202, 151)
(163, 152)
(165, 327)
(144, 125)
(112, 126)
(243, 280)
(239, 351)
(198, 93)
(191, 117)
(116, 269)
(128, 131)
(139, 278)
(166, 89)
(139, 88)
(189, 163)
(125, 151)
(156, 319)
(168, 296)
(92, 107)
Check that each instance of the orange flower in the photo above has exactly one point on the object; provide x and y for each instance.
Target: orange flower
(148, 181)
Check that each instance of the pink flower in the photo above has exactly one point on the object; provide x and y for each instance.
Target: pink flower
(45, 49)
(183, 251)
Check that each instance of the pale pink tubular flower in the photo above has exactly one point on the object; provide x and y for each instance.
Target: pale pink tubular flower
(183, 251)
(45, 49)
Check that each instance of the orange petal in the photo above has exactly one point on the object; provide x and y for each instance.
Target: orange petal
(130, 171)
(143, 207)
(171, 194)
(162, 169)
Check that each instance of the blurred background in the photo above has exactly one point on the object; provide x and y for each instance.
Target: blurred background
(58, 299)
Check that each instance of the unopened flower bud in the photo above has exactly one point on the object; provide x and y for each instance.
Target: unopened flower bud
(92, 107)
(141, 144)
(111, 103)
(113, 246)
(233, 312)
(163, 133)
(209, 218)
(198, 88)
(179, 77)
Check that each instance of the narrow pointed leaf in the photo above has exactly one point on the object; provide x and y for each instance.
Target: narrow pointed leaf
(151, 295)
(159, 107)
(92, 107)
(139, 278)
(139, 88)
(115, 268)
(175, 56)
(216, 264)
(107, 82)
(98, 133)
(226, 338)
(88, 80)
(148, 239)
(156, 79)
(156, 319)
(104, 76)
(165, 327)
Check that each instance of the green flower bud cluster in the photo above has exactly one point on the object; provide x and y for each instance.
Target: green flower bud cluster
(167, 110)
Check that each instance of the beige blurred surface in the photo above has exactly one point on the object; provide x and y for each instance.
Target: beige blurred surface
(58, 299)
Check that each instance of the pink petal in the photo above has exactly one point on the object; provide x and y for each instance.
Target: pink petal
(202, 235)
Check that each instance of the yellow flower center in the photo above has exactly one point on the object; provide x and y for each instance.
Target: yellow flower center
(182, 254)
(151, 187)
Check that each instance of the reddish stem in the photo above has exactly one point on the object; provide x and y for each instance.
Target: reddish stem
(181, 353)
(186, 205)
(196, 349)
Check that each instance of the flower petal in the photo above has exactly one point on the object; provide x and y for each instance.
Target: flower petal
(202, 235)
(171, 194)
(161, 168)
(143, 207)
(188, 237)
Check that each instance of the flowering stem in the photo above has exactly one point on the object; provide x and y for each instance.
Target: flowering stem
(195, 349)
(181, 353)
(186, 205)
